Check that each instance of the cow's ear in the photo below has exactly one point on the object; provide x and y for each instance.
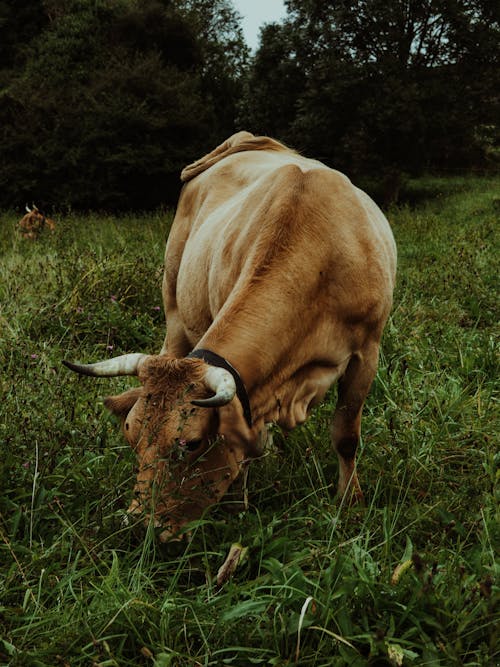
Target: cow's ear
(121, 405)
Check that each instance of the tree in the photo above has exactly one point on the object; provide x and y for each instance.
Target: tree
(114, 98)
(274, 85)
(20, 23)
(225, 59)
(387, 87)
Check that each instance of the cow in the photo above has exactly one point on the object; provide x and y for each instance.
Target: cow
(34, 222)
(278, 281)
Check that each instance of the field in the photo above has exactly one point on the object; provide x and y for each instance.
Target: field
(408, 579)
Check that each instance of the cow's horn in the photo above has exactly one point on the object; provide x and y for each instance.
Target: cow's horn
(222, 383)
(28, 210)
(127, 364)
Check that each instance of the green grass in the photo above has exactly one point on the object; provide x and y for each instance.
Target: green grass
(79, 589)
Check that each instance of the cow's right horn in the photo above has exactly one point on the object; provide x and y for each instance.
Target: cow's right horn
(222, 383)
(127, 364)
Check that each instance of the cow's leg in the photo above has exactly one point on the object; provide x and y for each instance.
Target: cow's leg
(176, 342)
(353, 388)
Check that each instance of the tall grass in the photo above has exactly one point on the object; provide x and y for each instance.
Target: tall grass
(410, 578)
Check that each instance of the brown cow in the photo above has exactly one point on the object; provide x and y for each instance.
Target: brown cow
(34, 222)
(278, 281)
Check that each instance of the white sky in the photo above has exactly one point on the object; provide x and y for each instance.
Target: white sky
(255, 13)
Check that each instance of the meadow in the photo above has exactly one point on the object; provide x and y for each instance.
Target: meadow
(410, 578)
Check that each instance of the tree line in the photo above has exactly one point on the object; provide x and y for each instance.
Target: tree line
(102, 102)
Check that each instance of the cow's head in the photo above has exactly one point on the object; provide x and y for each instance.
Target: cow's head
(188, 454)
(34, 222)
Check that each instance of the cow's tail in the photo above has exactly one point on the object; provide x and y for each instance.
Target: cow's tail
(241, 141)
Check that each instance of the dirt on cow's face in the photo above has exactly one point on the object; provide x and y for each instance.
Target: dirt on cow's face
(184, 466)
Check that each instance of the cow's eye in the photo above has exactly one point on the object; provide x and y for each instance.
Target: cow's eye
(193, 445)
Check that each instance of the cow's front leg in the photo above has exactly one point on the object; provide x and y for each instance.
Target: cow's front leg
(353, 388)
(176, 341)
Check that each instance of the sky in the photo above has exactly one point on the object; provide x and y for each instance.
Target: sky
(255, 13)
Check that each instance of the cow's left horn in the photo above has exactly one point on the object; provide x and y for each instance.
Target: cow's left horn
(127, 364)
(222, 383)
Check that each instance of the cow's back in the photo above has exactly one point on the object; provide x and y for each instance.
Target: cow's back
(270, 240)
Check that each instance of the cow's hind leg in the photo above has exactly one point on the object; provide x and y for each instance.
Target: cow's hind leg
(353, 388)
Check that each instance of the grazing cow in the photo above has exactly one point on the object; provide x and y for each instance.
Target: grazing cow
(34, 222)
(278, 281)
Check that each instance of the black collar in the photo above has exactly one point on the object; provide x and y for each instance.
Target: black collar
(214, 359)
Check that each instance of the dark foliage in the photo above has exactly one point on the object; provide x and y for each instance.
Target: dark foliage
(102, 103)
(381, 88)
(113, 98)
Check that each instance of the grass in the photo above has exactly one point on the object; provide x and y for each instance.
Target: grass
(409, 579)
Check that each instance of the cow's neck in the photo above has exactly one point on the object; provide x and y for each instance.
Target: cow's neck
(252, 359)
